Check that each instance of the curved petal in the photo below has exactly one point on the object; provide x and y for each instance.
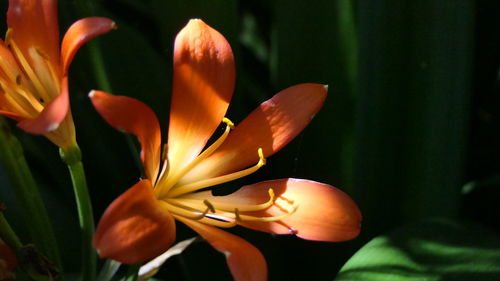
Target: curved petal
(203, 83)
(323, 212)
(244, 260)
(34, 24)
(79, 33)
(132, 116)
(134, 228)
(270, 126)
(51, 116)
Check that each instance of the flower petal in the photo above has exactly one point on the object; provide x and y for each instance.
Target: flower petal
(323, 212)
(11, 115)
(80, 32)
(134, 228)
(270, 127)
(51, 116)
(244, 260)
(34, 24)
(132, 116)
(203, 83)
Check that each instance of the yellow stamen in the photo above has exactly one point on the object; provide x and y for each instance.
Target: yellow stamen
(177, 191)
(213, 221)
(171, 180)
(221, 219)
(243, 218)
(26, 66)
(20, 101)
(230, 207)
(190, 214)
(49, 77)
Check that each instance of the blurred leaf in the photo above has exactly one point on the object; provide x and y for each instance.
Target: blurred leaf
(414, 85)
(429, 250)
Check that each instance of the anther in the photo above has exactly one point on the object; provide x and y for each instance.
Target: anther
(164, 150)
(237, 215)
(41, 54)
(209, 205)
(262, 159)
(228, 122)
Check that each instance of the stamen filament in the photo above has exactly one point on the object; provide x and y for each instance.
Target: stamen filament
(243, 218)
(50, 77)
(230, 207)
(27, 68)
(190, 214)
(177, 191)
(210, 221)
(171, 180)
(21, 101)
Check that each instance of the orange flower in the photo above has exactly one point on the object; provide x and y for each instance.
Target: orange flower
(139, 224)
(8, 263)
(34, 69)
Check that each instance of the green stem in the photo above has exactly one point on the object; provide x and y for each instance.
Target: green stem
(72, 157)
(108, 270)
(8, 235)
(133, 272)
(29, 199)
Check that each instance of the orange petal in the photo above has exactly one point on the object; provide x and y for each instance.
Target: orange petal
(270, 127)
(324, 213)
(79, 33)
(203, 84)
(132, 116)
(51, 116)
(34, 24)
(244, 260)
(12, 115)
(134, 228)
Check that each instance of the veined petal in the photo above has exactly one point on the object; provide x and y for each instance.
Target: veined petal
(34, 24)
(134, 228)
(79, 33)
(244, 260)
(203, 83)
(270, 127)
(51, 116)
(132, 116)
(323, 213)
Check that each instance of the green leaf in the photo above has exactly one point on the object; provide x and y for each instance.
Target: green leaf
(429, 250)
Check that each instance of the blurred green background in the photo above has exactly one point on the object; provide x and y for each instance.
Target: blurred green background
(411, 127)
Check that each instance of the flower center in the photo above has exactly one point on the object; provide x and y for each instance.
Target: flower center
(166, 186)
(184, 201)
(27, 87)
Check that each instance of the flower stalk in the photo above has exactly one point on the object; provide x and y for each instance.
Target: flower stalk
(8, 235)
(72, 158)
(27, 195)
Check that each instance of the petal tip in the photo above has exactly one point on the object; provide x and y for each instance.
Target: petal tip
(92, 93)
